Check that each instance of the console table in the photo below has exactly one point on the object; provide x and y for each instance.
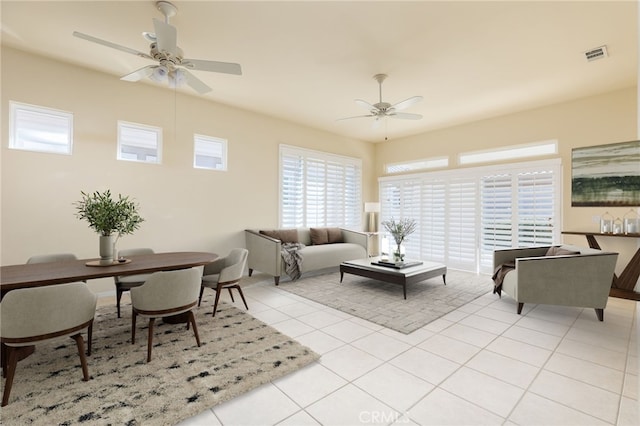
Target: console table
(623, 285)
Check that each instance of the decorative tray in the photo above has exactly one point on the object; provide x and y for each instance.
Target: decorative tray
(396, 265)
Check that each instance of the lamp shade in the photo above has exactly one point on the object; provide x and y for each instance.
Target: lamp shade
(371, 207)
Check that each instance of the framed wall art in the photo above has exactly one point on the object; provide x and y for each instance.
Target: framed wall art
(606, 175)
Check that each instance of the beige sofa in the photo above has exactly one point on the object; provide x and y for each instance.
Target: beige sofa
(265, 252)
(582, 279)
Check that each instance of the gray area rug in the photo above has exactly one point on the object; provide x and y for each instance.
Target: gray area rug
(238, 353)
(382, 303)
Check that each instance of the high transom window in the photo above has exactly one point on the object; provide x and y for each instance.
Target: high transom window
(139, 142)
(36, 128)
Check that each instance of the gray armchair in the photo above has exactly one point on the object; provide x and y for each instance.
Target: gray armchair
(225, 272)
(582, 279)
(126, 283)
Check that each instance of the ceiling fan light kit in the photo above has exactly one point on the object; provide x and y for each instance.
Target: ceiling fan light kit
(381, 110)
(164, 49)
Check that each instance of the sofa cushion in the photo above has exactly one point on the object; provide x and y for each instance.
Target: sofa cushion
(559, 251)
(319, 236)
(335, 235)
(284, 235)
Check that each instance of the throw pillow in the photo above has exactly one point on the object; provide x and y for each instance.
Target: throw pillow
(335, 235)
(319, 236)
(559, 251)
(284, 235)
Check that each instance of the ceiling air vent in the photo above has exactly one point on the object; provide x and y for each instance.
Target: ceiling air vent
(596, 53)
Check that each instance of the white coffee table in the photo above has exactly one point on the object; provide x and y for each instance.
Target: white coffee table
(404, 276)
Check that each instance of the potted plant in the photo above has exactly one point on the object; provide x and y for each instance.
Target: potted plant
(109, 217)
(399, 230)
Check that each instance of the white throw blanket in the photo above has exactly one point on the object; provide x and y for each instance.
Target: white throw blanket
(292, 259)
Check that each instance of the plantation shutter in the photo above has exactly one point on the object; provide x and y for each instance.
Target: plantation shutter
(536, 208)
(433, 220)
(319, 189)
(462, 236)
(496, 217)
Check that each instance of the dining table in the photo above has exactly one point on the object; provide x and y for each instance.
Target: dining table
(30, 275)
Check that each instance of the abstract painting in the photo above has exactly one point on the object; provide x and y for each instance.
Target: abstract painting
(606, 175)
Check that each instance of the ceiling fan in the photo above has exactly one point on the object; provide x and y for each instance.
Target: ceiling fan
(382, 109)
(172, 66)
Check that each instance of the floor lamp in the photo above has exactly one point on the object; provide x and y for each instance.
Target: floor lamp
(371, 209)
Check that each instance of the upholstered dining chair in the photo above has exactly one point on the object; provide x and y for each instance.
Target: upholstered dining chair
(36, 315)
(225, 272)
(55, 257)
(166, 294)
(127, 282)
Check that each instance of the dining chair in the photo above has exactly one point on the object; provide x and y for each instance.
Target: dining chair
(55, 257)
(127, 282)
(37, 315)
(225, 272)
(166, 294)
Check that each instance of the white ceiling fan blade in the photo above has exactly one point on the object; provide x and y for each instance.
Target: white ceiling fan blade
(406, 116)
(355, 116)
(213, 66)
(166, 36)
(112, 45)
(195, 83)
(365, 104)
(406, 103)
(139, 74)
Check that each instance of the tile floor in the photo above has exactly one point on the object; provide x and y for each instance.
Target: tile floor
(481, 364)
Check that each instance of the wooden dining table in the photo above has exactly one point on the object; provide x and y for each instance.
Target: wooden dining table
(43, 274)
(29, 275)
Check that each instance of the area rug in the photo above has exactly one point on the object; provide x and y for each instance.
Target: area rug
(382, 303)
(238, 353)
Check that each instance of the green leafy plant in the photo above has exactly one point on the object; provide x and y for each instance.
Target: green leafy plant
(108, 216)
(400, 229)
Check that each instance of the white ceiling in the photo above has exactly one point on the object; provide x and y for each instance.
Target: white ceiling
(306, 61)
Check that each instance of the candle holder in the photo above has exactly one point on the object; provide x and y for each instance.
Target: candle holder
(606, 223)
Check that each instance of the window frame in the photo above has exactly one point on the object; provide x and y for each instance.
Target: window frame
(144, 128)
(15, 142)
(215, 140)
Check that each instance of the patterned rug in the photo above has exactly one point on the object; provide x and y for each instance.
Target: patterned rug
(238, 353)
(382, 303)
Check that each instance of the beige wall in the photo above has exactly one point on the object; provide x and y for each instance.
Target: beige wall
(188, 209)
(609, 118)
(184, 208)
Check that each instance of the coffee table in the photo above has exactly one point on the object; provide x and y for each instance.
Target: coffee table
(409, 275)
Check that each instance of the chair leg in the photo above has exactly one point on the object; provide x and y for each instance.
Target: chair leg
(520, 305)
(250, 271)
(201, 292)
(150, 338)
(192, 320)
(242, 296)
(231, 294)
(600, 314)
(119, 292)
(215, 304)
(83, 358)
(89, 338)
(12, 362)
(134, 315)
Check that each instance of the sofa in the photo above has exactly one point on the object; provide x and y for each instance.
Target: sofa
(320, 248)
(558, 275)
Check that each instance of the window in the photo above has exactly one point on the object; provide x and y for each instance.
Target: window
(139, 142)
(319, 189)
(35, 128)
(209, 153)
(428, 163)
(464, 215)
(510, 152)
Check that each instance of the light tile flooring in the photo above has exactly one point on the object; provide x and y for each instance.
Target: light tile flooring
(481, 364)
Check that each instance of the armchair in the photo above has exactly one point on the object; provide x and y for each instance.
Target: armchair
(582, 279)
(225, 272)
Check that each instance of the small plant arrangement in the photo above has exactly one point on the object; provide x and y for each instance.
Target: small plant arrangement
(108, 216)
(400, 230)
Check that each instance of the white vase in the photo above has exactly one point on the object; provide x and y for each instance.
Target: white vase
(106, 249)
